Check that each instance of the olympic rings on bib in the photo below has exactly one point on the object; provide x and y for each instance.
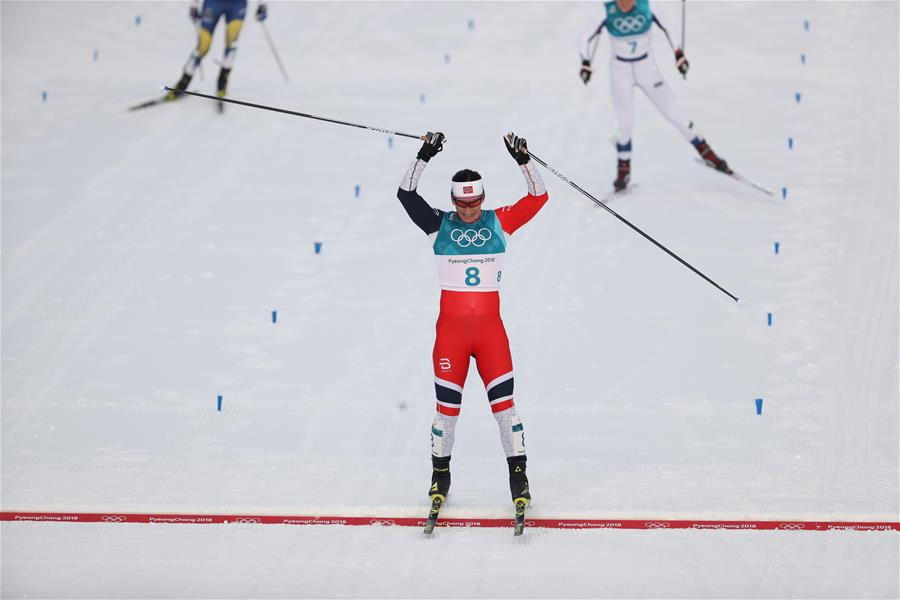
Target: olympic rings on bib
(630, 24)
(470, 237)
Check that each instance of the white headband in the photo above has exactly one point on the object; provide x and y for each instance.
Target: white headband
(466, 190)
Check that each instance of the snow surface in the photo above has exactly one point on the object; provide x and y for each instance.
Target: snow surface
(143, 255)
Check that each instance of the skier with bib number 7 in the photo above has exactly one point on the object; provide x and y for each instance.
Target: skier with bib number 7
(632, 64)
(469, 244)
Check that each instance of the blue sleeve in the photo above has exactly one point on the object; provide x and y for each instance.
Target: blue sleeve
(428, 219)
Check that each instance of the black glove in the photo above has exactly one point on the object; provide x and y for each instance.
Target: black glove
(585, 71)
(262, 12)
(195, 14)
(434, 143)
(517, 147)
(681, 62)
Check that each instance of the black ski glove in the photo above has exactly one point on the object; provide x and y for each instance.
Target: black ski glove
(195, 14)
(681, 63)
(585, 71)
(517, 147)
(262, 13)
(434, 143)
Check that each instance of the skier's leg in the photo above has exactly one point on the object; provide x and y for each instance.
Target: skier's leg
(494, 362)
(450, 359)
(621, 87)
(652, 83)
(204, 40)
(234, 21)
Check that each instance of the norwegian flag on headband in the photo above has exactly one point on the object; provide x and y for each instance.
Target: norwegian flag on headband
(465, 190)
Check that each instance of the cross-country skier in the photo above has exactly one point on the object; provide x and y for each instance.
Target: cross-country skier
(469, 244)
(632, 65)
(208, 17)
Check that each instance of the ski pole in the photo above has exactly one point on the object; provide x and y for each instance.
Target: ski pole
(683, 10)
(624, 220)
(274, 51)
(295, 113)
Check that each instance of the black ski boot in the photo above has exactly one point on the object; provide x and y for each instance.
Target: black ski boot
(440, 477)
(180, 86)
(623, 175)
(518, 481)
(710, 157)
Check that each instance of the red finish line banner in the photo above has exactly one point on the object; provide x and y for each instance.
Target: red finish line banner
(447, 522)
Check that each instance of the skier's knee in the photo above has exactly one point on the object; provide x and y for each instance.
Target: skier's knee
(500, 392)
(443, 432)
(204, 41)
(512, 432)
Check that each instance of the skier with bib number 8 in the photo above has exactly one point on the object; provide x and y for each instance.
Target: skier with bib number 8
(469, 244)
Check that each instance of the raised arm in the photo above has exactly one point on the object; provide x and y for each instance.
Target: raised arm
(514, 216)
(428, 219)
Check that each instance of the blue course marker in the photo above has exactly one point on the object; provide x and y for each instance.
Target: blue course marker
(790, 143)
(421, 98)
(759, 402)
(784, 193)
(797, 97)
(274, 316)
(447, 59)
(471, 23)
(356, 191)
(802, 59)
(777, 247)
(96, 55)
(769, 318)
(219, 403)
(43, 96)
(806, 24)
(318, 247)
(390, 142)
(137, 21)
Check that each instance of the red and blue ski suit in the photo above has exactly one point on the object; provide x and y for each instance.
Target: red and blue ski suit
(470, 267)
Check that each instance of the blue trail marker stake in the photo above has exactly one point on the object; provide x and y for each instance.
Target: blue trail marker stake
(390, 142)
(421, 98)
(318, 247)
(806, 24)
(471, 23)
(759, 402)
(802, 59)
(769, 319)
(137, 21)
(790, 143)
(784, 193)
(356, 191)
(777, 246)
(219, 403)
(797, 96)
(96, 55)
(447, 59)
(274, 316)
(43, 96)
